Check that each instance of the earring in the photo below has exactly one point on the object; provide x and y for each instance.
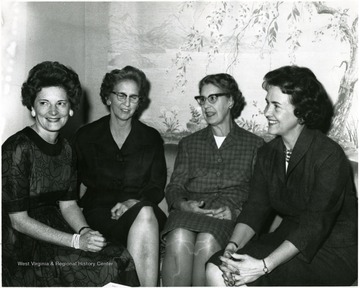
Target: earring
(33, 113)
(108, 102)
(71, 113)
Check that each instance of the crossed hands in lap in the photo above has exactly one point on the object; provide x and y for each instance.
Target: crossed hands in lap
(239, 269)
(196, 207)
(91, 240)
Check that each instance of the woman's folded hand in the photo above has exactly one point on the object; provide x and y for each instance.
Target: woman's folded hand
(92, 241)
(222, 213)
(195, 207)
(120, 208)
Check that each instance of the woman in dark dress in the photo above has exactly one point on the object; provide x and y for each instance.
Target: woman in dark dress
(306, 178)
(121, 166)
(209, 184)
(40, 212)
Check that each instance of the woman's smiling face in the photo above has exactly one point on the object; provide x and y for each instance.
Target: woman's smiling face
(280, 114)
(52, 109)
(124, 110)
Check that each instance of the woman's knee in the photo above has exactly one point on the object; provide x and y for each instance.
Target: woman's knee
(212, 273)
(180, 234)
(207, 243)
(146, 214)
(180, 239)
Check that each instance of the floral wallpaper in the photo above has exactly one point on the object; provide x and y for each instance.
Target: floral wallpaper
(177, 43)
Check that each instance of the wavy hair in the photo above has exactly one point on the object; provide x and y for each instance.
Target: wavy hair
(312, 104)
(51, 74)
(227, 84)
(127, 73)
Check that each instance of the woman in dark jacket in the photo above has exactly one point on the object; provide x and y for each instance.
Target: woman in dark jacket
(121, 165)
(305, 177)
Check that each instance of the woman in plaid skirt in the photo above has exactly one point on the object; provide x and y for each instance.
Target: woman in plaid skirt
(209, 184)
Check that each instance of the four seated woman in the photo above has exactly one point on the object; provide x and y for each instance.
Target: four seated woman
(302, 174)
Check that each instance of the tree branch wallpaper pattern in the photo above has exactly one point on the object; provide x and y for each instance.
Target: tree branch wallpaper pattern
(178, 43)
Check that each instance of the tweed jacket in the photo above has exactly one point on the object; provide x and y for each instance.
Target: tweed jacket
(218, 176)
(315, 196)
(111, 175)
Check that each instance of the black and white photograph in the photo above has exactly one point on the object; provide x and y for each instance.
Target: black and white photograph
(179, 143)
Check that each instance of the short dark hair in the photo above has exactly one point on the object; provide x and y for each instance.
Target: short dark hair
(311, 101)
(51, 74)
(127, 73)
(228, 84)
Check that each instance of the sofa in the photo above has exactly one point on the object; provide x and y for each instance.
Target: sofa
(170, 155)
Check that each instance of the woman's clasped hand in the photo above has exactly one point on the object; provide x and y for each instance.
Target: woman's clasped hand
(92, 241)
(197, 207)
(240, 269)
(120, 208)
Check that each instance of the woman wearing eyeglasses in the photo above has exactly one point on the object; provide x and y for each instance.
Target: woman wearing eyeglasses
(122, 169)
(209, 184)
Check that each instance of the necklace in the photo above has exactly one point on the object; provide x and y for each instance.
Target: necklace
(287, 153)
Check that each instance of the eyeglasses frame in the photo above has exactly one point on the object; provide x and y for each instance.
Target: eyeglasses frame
(127, 96)
(217, 95)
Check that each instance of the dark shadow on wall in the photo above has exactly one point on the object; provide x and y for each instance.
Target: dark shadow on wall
(80, 118)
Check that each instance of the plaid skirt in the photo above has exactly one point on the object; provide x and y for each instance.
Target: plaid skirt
(221, 229)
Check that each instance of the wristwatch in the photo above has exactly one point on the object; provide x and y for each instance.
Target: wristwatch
(265, 269)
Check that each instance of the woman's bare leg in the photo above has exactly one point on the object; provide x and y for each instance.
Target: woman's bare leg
(177, 265)
(143, 245)
(206, 246)
(214, 276)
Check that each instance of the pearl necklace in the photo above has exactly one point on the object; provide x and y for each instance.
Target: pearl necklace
(287, 153)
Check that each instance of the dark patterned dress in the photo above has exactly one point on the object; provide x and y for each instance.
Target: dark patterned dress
(35, 176)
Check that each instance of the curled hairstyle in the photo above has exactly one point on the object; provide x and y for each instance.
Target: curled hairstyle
(312, 104)
(228, 85)
(51, 74)
(127, 73)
